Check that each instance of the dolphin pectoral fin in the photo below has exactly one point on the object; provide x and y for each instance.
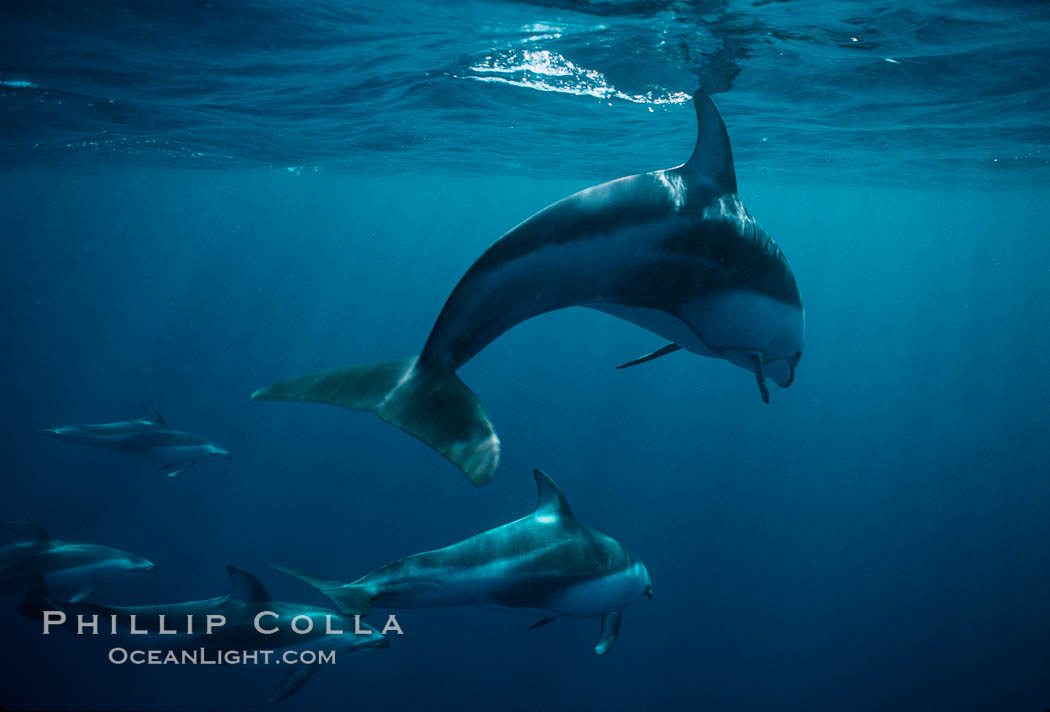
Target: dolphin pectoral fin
(762, 388)
(293, 681)
(669, 349)
(351, 599)
(82, 594)
(610, 629)
(540, 623)
(427, 401)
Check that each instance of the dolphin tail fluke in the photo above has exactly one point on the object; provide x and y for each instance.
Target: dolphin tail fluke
(293, 681)
(426, 401)
(351, 599)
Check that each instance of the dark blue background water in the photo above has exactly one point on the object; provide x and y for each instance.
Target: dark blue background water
(877, 537)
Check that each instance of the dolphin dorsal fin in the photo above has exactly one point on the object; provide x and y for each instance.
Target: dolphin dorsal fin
(551, 501)
(246, 587)
(152, 415)
(712, 159)
(38, 598)
(39, 535)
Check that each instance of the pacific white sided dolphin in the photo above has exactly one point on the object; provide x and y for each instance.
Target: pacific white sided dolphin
(673, 251)
(150, 436)
(546, 561)
(246, 619)
(71, 569)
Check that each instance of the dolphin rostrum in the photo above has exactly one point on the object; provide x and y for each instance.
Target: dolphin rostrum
(284, 636)
(71, 569)
(673, 251)
(546, 561)
(175, 451)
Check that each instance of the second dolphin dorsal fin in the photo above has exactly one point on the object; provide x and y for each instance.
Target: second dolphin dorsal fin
(712, 159)
(152, 415)
(551, 501)
(246, 588)
(39, 535)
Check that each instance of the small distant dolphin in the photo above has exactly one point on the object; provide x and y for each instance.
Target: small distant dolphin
(149, 437)
(69, 568)
(546, 561)
(240, 630)
(673, 251)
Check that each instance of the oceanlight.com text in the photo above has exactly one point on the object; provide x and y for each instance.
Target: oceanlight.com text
(202, 656)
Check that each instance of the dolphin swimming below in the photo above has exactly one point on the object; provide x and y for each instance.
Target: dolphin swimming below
(673, 251)
(546, 561)
(71, 569)
(246, 619)
(150, 436)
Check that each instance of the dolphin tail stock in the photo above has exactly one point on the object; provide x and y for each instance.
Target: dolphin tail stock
(293, 681)
(426, 400)
(352, 599)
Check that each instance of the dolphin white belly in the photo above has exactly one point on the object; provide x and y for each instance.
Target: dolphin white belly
(588, 599)
(174, 454)
(79, 578)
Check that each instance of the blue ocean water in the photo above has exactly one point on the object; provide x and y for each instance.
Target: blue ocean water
(199, 199)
